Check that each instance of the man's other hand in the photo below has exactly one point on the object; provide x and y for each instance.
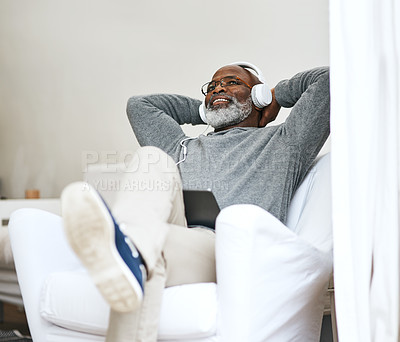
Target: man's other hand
(269, 113)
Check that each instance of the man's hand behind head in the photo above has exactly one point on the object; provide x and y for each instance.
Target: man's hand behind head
(269, 113)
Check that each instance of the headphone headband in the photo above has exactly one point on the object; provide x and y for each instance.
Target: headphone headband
(247, 65)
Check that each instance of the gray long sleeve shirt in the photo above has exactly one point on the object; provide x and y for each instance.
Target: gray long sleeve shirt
(243, 165)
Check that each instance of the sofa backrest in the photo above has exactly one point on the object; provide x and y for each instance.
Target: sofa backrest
(310, 212)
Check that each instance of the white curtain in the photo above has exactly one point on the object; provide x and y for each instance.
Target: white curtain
(365, 97)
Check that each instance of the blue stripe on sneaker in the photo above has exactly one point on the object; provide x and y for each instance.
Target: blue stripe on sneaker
(127, 254)
(132, 258)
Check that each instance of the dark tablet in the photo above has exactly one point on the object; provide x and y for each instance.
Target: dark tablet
(201, 208)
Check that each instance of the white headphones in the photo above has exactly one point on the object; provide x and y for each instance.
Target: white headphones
(260, 93)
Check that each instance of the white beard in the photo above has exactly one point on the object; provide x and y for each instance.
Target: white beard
(232, 114)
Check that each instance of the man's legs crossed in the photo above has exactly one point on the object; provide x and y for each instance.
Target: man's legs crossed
(150, 206)
(185, 256)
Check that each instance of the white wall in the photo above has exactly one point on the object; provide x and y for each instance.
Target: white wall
(67, 68)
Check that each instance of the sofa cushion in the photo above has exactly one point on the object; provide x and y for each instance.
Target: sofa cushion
(70, 300)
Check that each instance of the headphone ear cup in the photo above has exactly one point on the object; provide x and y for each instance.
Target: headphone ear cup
(261, 95)
(202, 112)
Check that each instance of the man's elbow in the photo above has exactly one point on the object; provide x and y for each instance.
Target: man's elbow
(133, 106)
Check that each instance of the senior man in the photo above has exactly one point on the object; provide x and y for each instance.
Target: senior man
(145, 245)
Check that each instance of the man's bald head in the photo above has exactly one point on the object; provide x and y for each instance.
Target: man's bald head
(241, 72)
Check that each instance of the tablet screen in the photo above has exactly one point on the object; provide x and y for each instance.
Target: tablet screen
(201, 208)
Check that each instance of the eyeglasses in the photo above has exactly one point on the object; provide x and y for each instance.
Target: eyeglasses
(227, 81)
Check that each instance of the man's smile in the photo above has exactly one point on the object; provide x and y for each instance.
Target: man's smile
(219, 100)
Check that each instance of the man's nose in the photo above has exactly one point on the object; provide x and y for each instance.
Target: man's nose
(219, 88)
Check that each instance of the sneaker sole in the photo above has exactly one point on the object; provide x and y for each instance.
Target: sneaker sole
(91, 234)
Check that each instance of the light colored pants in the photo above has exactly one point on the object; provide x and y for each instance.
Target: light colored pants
(150, 204)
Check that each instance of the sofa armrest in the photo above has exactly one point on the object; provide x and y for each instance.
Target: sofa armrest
(271, 282)
(39, 248)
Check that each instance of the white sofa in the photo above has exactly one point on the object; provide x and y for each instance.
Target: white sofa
(271, 280)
